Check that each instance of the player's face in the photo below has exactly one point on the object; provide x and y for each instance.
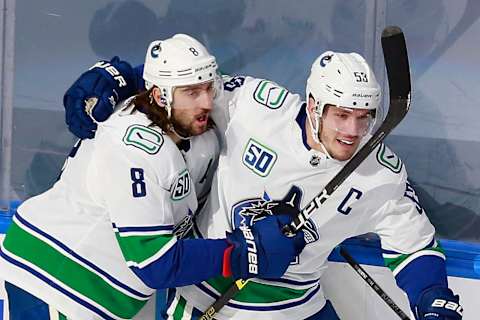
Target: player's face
(191, 108)
(342, 130)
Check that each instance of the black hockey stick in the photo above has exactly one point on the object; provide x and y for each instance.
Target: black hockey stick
(398, 72)
(391, 38)
(369, 280)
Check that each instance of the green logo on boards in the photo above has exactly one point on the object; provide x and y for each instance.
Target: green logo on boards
(389, 159)
(143, 138)
(270, 94)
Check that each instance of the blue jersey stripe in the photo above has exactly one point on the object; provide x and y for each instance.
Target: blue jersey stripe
(144, 229)
(55, 286)
(262, 308)
(83, 260)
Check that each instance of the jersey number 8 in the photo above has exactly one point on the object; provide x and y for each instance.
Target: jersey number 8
(139, 188)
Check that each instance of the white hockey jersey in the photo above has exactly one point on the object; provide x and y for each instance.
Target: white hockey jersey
(116, 204)
(263, 160)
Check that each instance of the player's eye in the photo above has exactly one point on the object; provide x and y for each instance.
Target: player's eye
(192, 93)
(341, 115)
(210, 88)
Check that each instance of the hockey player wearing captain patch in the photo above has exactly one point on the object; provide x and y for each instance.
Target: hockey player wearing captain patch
(277, 153)
(109, 232)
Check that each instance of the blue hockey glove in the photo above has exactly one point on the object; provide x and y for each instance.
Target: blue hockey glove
(438, 303)
(261, 250)
(93, 95)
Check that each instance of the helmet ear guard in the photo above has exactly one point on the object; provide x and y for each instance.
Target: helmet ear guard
(343, 80)
(178, 61)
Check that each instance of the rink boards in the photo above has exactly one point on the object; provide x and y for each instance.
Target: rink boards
(354, 299)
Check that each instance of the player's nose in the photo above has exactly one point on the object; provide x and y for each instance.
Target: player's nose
(206, 101)
(349, 127)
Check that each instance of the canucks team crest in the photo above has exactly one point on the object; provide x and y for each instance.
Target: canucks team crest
(270, 94)
(389, 159)
(143, 138)
(249, 211)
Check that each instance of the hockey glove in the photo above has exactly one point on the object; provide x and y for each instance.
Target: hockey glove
(93, 95)
(438, 303)
(261, 250)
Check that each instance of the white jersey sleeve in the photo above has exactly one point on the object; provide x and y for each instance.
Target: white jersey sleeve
(108, 220)
(409, 248)
(401, 222)
(140, 178)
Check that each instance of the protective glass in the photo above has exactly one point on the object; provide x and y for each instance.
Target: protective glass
(218, 86)
(215, 91)
(348, 121)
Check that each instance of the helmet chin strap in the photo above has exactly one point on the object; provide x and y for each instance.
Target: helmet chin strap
(178, 135)
(325, 151)
(167, 104)
(172, 125)
(315, 131)
(168, 108)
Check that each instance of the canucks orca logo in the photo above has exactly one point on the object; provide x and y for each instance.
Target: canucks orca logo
(249, 211)
(184, 226)
(155, 50)
(325, 59)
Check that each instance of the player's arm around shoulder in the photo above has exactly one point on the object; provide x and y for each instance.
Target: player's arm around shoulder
(139, 206)
(143, 184)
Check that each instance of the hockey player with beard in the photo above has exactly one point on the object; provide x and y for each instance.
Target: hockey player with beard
(277, 153)
(109, 232)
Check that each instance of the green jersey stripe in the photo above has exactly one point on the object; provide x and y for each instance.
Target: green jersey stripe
(398, 263)
(179, 309)
(84, 282)
(139, 250)
(255, 292)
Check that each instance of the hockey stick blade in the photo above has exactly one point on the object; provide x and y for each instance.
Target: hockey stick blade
(373, 284)
(396, 61)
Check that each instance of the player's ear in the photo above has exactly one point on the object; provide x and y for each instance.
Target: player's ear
(156, 95)
(310, 105)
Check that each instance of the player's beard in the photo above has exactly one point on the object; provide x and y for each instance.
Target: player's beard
(188, 130)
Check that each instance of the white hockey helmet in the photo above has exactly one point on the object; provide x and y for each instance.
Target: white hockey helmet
(178, 61)
(343, 80)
